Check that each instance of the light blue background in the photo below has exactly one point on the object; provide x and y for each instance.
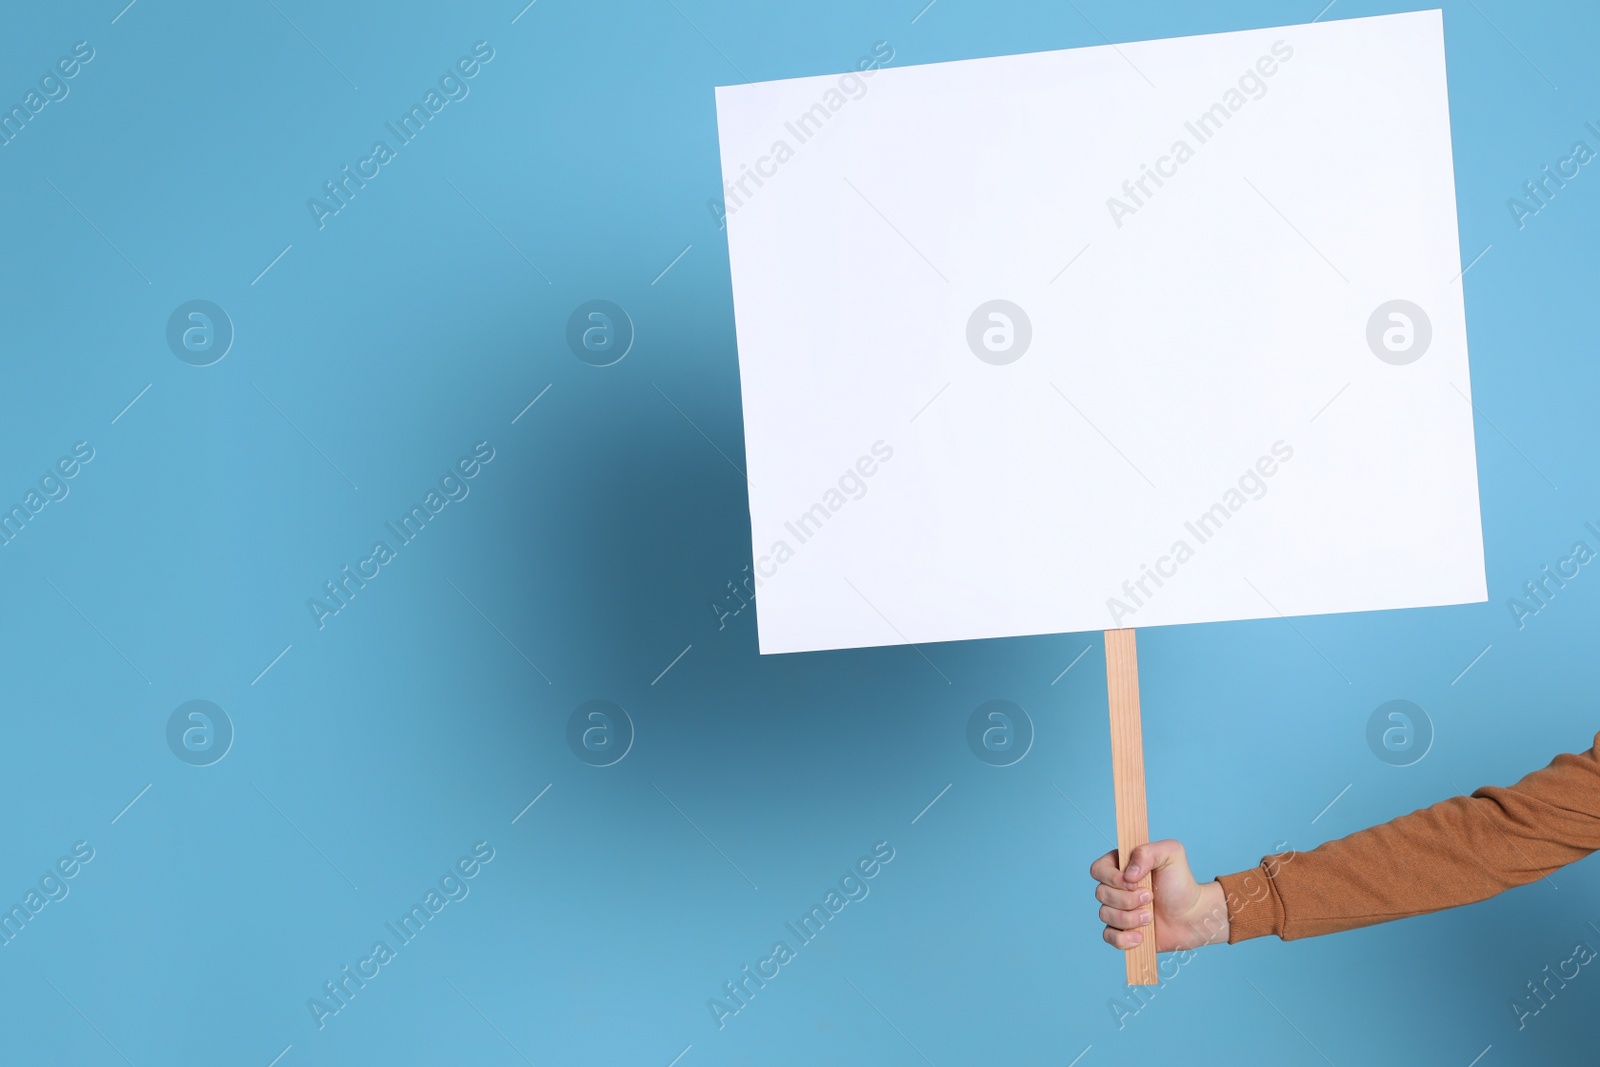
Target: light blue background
(409, 728)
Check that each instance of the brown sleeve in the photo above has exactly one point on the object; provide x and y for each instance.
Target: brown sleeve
(1456, 852)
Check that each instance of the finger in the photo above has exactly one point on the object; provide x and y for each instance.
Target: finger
(1104, 870)
(1149, 857)
(1123, 939)
(1126, 899)
(1118, 919)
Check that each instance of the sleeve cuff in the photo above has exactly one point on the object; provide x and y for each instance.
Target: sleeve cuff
(1254, 907)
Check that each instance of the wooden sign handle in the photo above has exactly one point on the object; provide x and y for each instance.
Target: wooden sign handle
(1127, 780)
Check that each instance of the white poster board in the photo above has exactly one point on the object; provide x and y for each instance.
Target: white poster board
(1161, 332)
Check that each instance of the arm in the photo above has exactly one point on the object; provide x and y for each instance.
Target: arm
(1458, 851)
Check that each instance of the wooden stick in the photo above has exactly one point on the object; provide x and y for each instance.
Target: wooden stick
(1127, 780)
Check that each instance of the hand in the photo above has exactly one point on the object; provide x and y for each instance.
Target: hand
(1184, 914)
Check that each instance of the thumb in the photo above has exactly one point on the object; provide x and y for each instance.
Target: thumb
(1152, 857)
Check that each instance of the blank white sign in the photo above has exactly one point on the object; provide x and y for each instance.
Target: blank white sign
(1162, 332)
